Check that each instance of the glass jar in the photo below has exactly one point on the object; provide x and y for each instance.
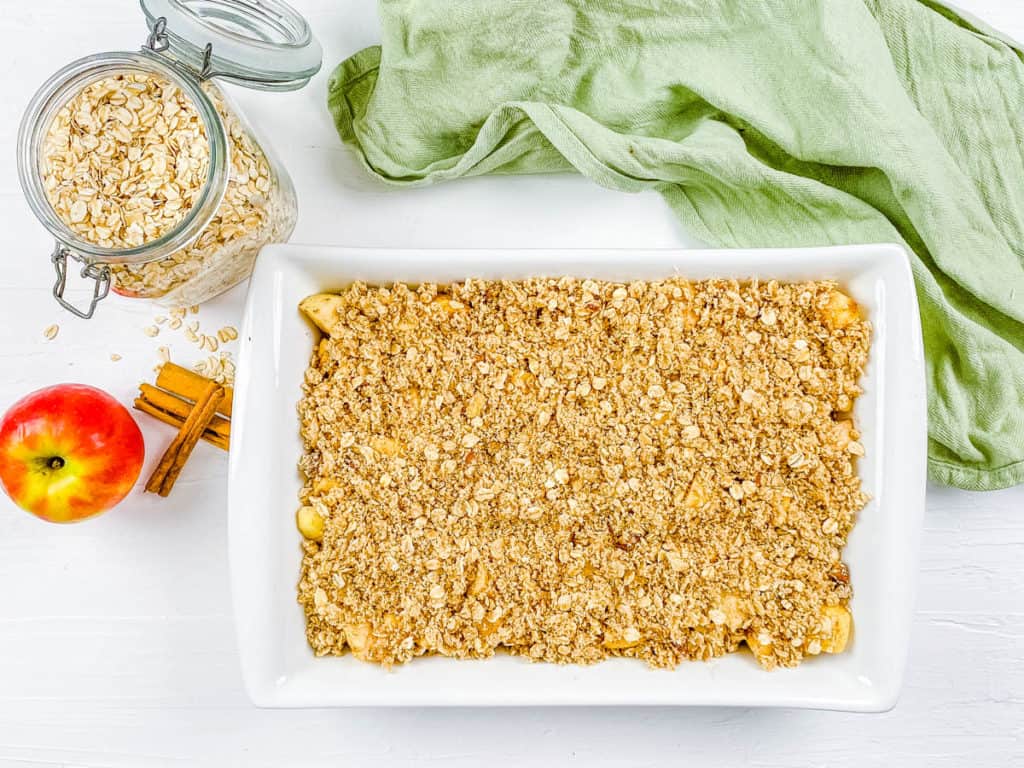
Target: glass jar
(246, 199)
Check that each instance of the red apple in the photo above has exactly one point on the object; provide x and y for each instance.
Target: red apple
(69, 452)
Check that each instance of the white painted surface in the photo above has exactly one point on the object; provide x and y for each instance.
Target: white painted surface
(116, 643)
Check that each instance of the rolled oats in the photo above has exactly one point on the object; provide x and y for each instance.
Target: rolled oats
(125, 159)
(257, 208)
(218, 368)
(227, 333)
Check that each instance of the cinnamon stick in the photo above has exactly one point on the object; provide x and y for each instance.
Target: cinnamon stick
(173, 460)
(170, 403)
(213, 438)
(189, 385)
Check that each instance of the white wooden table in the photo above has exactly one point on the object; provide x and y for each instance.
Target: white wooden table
(116, 639)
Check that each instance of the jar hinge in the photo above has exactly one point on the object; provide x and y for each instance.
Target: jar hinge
(99, 273)
(158, 41)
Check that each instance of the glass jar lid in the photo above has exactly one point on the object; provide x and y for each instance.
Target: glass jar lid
(263, 44)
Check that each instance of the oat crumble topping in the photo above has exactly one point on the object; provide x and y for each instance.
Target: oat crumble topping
(575, 469)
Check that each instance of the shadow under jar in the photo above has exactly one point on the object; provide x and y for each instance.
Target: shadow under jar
(142, 168)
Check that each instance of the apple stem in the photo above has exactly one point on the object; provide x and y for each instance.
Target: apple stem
(56, 462)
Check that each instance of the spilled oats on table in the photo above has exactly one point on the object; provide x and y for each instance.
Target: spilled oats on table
(570, 470)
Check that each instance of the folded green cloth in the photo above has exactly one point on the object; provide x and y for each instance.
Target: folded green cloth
(767, 123)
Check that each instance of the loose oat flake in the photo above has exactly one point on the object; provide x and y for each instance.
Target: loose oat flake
(570, 470)
(218, 368)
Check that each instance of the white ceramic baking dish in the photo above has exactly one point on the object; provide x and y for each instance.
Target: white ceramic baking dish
(281, 671)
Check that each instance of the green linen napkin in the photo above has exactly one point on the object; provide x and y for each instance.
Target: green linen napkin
(767, 123)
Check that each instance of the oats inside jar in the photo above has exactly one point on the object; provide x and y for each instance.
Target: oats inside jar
(125, 159)
(571, 470)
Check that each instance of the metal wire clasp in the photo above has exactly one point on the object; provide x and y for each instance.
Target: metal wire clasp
(159, 41)
(100, 273)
